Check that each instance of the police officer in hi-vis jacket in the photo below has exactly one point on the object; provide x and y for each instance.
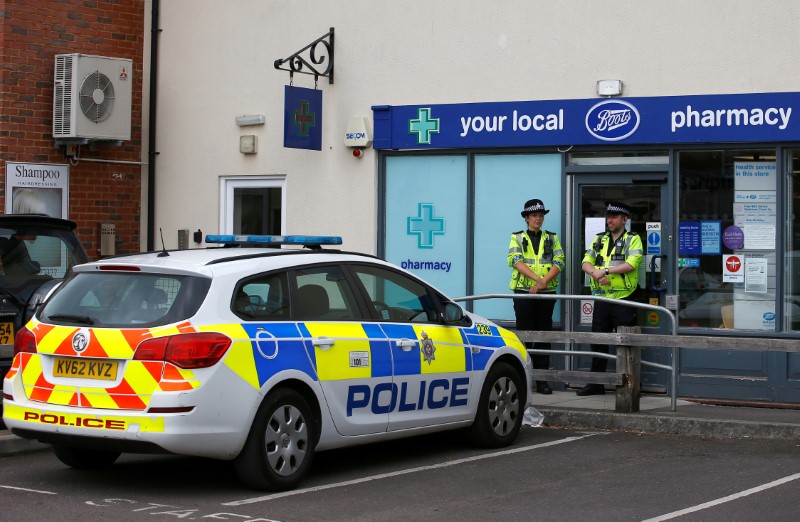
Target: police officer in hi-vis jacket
(612, 262)
(537, 258)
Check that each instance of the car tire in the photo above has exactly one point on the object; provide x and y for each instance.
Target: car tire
(84, 458)
(280, 447)
(500, 408)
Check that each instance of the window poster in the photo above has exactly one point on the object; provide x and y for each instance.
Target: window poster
(37, 188)
(689, 238)
(710, 237)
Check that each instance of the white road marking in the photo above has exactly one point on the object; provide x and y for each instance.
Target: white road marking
(29, 490)
(729, 498)
(275, 496)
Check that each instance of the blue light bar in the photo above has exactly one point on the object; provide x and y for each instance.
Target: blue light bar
(229, 239)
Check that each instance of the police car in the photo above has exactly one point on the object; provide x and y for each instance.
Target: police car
(262, 356)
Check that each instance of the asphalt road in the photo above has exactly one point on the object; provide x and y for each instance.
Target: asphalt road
(548, 474)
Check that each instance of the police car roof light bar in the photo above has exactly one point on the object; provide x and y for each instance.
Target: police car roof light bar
(229, 239)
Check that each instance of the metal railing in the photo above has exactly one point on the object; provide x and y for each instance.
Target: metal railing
(673, 341)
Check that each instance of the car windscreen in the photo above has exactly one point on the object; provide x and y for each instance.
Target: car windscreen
(35, 253)
(125, 299)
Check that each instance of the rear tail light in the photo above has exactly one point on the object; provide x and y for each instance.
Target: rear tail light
(195, 350)
(25, 342)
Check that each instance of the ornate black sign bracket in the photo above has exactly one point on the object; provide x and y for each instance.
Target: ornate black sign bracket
(320, 52)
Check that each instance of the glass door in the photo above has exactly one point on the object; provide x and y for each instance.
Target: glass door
(648, 197)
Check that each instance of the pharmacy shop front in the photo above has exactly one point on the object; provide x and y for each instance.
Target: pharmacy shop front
(713, 181)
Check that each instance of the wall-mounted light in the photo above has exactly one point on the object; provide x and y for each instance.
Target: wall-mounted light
(609, 87)
(250, 119)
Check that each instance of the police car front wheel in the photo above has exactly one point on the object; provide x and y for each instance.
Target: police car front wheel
(500, 409)
(280, 446)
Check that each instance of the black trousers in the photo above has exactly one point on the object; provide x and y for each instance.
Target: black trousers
(605, 318)
(536, 315)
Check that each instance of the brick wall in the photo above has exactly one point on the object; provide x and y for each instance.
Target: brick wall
(32, 32)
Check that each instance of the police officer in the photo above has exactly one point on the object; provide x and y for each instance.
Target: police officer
(612, 262)
(537, 258)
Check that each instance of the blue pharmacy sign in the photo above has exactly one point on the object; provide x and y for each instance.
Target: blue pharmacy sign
(302, 118)
(760, 117)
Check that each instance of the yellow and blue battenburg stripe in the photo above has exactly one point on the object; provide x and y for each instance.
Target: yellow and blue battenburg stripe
(282, 346)
(276, 347)
(490, 337)
(334, 364)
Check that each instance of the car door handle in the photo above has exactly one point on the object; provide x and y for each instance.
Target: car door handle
(324, 343)
(406, 344)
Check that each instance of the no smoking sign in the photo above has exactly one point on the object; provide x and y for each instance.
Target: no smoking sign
(587, 308)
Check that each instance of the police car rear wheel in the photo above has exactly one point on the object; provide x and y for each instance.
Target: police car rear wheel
(83, 458)
(499, 416)
(280, 447)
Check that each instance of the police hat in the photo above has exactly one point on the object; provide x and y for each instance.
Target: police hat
(617, 207)
(533, 205)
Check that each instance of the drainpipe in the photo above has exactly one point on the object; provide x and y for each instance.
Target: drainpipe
(151, 142)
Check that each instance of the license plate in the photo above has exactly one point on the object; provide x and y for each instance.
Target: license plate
(6, 333)
(85, 368)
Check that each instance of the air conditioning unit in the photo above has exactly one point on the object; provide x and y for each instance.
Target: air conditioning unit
(92, 97)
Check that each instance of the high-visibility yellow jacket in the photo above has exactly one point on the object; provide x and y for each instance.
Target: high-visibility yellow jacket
(627, 249)
(548, 254)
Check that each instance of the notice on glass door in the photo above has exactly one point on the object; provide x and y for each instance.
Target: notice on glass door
(755, 275)
(759, 237)
(689, 238)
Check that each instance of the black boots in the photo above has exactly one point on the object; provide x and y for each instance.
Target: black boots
(591, 389)
(543, 388)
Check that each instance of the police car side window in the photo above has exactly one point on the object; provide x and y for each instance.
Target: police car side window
(263, 298)
(396, 297)
(324, 293)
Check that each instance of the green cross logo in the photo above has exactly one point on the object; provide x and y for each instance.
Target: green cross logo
(304, 118)
(425, 226)
(424, 126)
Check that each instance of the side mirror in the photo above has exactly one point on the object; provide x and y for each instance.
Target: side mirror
(453, 313)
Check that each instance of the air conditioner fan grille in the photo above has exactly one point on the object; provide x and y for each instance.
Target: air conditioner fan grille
(97, 96)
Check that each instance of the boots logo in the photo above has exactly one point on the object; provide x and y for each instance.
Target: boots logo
(612, 120)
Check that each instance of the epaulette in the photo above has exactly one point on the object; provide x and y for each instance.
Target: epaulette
(518, 232)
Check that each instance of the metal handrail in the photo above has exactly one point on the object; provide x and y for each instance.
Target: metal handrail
(571, 297)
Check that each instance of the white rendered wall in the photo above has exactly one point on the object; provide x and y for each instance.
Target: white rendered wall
(216, 62)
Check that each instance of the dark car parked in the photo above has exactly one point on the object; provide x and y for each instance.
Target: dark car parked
(36, 253)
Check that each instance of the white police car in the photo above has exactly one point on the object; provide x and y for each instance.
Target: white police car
(257, 355)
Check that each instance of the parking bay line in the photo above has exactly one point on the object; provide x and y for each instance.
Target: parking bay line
(28, 490)
(723, 500)
(275, 496)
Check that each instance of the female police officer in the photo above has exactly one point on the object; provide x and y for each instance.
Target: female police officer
(537, 258)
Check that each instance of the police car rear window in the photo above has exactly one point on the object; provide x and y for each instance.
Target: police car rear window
(125, 299)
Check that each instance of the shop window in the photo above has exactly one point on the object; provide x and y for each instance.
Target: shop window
(727, 239)
(792, 260)
(426, 218)
(503, 183)
(428, 209)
